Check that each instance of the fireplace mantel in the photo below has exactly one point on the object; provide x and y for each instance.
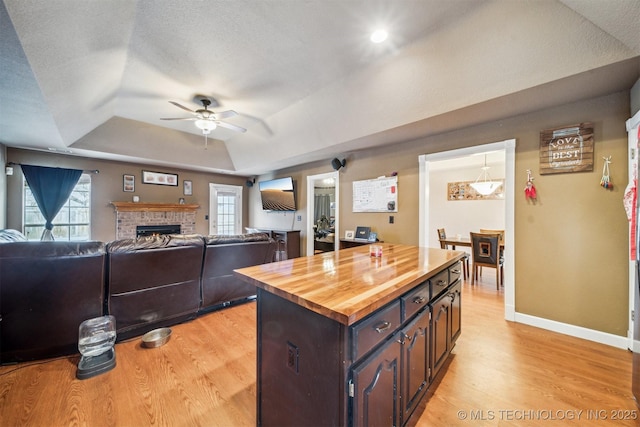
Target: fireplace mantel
(153, 207)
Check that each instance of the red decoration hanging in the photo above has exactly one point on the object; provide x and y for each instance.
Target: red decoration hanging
(530, 190)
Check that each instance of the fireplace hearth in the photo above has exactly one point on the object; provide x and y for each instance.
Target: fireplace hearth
(150, 230)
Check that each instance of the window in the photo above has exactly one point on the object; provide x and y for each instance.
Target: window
(226, 213)
(72, 223)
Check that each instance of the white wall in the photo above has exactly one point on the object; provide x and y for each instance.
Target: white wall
(462, 217)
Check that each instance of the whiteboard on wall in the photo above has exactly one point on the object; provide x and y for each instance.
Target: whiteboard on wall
(376, 195)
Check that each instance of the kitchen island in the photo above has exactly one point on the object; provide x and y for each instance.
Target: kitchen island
(345, 338)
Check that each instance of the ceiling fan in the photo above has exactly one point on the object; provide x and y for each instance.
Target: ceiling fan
(207, 120)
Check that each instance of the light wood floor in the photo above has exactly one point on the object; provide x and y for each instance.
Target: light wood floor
(501, 373)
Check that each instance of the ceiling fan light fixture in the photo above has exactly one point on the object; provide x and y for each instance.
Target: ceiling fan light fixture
(206, 126)
(380, 35)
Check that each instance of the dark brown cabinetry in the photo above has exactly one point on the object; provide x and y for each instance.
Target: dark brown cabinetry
(415, 362)
(288, 241)
(352, 363)
(424, 343)
(376, 387)
(446, 326)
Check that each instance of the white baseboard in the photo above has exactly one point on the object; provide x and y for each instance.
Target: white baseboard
(574, 331)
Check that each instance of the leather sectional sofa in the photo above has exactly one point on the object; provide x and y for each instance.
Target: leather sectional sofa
(48, 288)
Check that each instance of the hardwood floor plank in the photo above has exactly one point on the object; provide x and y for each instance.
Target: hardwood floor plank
(500, 373)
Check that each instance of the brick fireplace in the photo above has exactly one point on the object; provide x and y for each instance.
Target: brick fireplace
(129, 215)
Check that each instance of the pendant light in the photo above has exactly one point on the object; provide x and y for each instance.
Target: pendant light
(484, 185)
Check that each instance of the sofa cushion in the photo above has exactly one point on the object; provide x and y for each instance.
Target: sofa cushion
(236, 238)
(154, 242)
(47, 289)
(9, 235)
(153, 281)
(223, 255)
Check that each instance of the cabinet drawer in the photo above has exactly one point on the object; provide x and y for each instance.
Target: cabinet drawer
(366, 334)
(415, 300)
(455, 271)
(439, 283)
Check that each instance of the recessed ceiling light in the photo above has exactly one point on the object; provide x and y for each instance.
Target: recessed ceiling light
(378, 36)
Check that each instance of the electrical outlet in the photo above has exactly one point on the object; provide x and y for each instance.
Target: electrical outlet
(299, 218)
(293, 355)
(391, 219)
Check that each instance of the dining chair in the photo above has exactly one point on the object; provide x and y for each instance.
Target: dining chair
(491, 231)
(442, 235)
(485, 248)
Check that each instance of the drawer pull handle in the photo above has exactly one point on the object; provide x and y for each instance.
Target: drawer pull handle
(442, 283)
(382, 327)
(456, 271)
(419, 300)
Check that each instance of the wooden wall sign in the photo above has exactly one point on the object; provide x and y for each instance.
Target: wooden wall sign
(567, 149)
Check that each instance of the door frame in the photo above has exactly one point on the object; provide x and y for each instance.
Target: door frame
(311, 179)
(632, 125)
(213, 189)
(509, 147)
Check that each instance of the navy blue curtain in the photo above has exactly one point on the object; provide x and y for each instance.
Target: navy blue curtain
(51, 187)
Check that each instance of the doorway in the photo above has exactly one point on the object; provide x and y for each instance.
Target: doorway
(225, 209)
(425, 227)
(323, 198)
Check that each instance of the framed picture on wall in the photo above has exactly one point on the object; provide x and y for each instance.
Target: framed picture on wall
(128, 183)
(159, 178)
(187, 187)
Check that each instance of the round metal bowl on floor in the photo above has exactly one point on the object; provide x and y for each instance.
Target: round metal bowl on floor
(156, 337)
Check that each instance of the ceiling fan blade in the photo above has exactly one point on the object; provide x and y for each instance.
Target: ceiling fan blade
(230, 126)
(182, 106)
(176, 118)
(224, 114)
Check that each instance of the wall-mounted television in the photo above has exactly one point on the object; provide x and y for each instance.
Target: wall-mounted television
(278, 194)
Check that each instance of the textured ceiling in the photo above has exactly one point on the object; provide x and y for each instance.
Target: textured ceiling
(94, 78)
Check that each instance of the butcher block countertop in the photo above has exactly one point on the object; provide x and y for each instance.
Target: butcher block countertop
(349, 284)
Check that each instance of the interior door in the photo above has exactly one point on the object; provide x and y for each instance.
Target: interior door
(225, 209)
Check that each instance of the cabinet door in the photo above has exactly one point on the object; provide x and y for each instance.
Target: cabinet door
(415, 358)
(456, 312)
(440, 333)
(375, 381)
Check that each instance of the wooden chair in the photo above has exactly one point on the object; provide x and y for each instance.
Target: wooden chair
(464, 261)
(485, 248)
(490, 231)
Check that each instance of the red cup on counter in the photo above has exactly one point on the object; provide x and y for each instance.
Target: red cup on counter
(375, 251)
